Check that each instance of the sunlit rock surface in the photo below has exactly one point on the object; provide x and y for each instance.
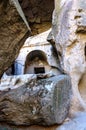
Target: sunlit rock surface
(69, 31)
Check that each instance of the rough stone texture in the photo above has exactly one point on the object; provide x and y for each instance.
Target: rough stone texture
(20, 11)
(78, 122)
(35, 99)
(12, 34)
(81, 17)
(70, 40)
(35, 127)
(13, 29)
(38, 13)
(37, 10)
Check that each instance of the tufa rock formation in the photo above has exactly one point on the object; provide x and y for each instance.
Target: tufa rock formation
(69, 29)
(13, 32)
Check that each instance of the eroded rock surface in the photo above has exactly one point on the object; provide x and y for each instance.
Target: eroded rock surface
(38, 13)
(69, 31)
(13, 32)
(30, 100)
(13, 28)
(78, 122)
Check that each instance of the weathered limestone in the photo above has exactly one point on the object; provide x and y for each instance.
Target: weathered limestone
(38, 13)
(13, 29)
(70, 38)
(35, 99)
(13, 32)
(69, 24)
(20, 11)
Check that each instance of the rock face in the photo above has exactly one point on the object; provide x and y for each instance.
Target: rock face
(38, 13)
(69, 25)
(13, 32)
(78, 122)
(31, 100)
(37, 10)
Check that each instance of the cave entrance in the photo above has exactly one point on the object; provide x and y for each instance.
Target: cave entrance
(36, 62)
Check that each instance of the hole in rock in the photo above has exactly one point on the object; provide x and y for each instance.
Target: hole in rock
(38, 70)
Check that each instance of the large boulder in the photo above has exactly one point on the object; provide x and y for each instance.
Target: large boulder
(69, 29)
(31, 99)
(13, 32)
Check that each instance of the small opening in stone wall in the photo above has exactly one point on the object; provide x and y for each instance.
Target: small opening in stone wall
(38, 70)
(36, 62)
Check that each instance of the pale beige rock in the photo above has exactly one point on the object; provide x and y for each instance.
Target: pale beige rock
(70, 40)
